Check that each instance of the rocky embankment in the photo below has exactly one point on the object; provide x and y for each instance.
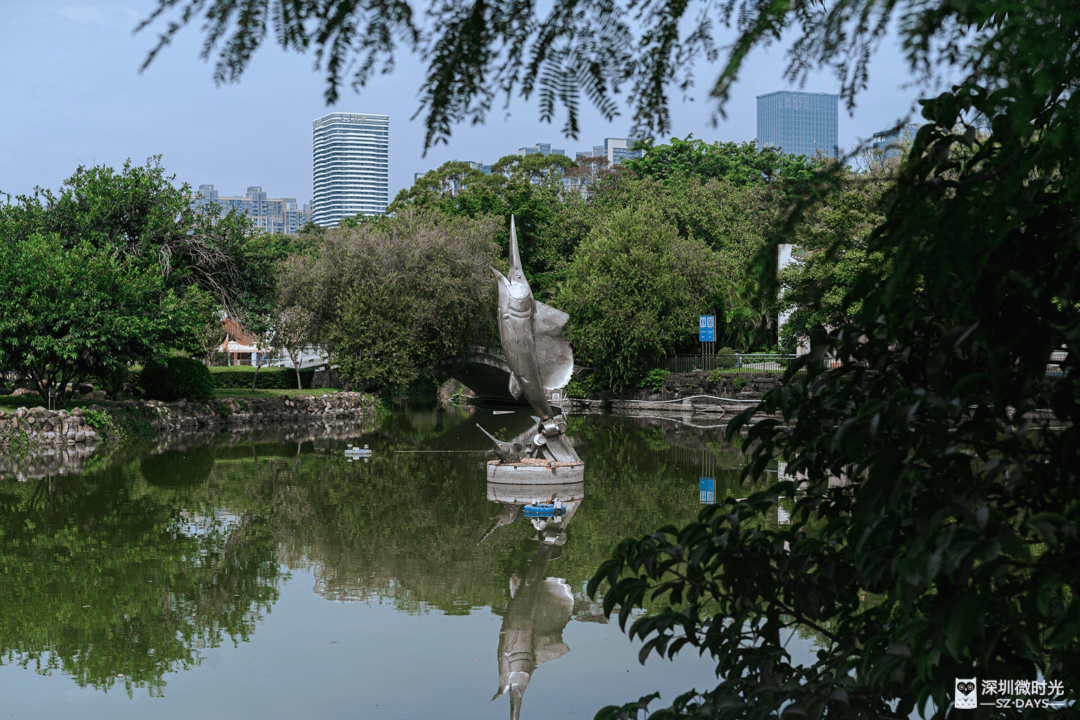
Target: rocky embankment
(36, 427)
(686, 393)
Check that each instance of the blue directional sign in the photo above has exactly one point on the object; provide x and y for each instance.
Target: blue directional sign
(707, 328)
(707, 491)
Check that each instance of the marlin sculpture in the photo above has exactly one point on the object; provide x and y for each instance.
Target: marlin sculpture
(539, 357)
(531, 333)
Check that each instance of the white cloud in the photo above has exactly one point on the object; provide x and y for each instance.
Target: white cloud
(104, 16)
(83, 15)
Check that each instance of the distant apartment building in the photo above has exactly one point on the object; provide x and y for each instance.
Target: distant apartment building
(540, 149)
(614, 149)
(891, 142)
(274, 215)
(350, 166)
(799, 123)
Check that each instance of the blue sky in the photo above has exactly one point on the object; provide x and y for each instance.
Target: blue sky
(73, 94)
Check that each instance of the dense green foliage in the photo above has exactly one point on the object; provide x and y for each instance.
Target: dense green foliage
(279, 378)
(390, 300)
(71, 313)
(139, 213)
(176, 378)
(525, 188)
(831, 240)
(934, 485)
(118, 267)
(630, 290)
(739, 163)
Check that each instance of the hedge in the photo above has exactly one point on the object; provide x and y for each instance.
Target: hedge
(278, 378)
(175, 378)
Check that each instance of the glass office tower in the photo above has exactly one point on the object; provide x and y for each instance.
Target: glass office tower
(798, 123)
(350, 164)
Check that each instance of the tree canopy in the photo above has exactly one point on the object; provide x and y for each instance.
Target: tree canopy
(947, 505)
(392, 300)
(70, 313)
(633, 292)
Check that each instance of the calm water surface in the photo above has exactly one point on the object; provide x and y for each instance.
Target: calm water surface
(250, 578)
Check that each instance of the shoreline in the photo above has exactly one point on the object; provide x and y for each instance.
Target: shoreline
(90, 426)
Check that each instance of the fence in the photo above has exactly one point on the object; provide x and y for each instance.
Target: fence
(1053, 368)
(765, 362)
(739, 362)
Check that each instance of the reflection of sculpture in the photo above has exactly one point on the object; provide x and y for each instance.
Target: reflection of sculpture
(538, 611)
(539, 357)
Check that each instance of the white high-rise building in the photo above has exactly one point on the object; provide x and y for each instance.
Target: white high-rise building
(351, 167)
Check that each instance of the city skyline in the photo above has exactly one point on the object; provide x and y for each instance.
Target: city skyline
(282, 215)
(79, 98)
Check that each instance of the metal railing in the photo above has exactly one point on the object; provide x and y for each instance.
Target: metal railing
(774, 362)
(1053, 368)
(738, 362)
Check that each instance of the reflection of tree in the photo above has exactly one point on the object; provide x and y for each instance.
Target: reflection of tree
(100, 580)
(402, 527)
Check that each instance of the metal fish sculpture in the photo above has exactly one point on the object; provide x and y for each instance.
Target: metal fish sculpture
(531, 333)
(507, 452)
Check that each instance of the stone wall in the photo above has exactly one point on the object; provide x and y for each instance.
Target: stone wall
(755, 384)
(33, 427)
(53, 461)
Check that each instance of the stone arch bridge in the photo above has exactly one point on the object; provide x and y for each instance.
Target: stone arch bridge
(486, 373)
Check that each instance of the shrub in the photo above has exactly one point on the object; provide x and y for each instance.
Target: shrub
(175, 378)
(280, 378)
(739, 383)
(578, 388)
(654, 380)
(715, 377)
(725, 357)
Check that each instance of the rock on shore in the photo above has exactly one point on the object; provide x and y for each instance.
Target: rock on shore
(39, 426)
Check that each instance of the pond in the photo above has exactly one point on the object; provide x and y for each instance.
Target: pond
(283, 575)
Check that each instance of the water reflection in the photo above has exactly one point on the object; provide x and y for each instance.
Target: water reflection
(127, 571)
(540, 607)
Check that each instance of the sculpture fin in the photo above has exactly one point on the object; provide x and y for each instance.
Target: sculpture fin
(504, 291)
(515, 386)
(554, 355)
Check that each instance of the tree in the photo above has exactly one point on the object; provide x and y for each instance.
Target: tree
(528, 191)
(69, 313)
(831, 239)
(739, 163)
(262, 255)
(938, 492)
(391, 301)
(139, 213)
(732, 221)
(291, 332)
(634, 291)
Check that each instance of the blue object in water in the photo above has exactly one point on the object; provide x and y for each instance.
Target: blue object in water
(543, 510)
(354, 453)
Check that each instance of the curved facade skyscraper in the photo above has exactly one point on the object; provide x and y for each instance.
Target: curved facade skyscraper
(798, 123)
(351, 167)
